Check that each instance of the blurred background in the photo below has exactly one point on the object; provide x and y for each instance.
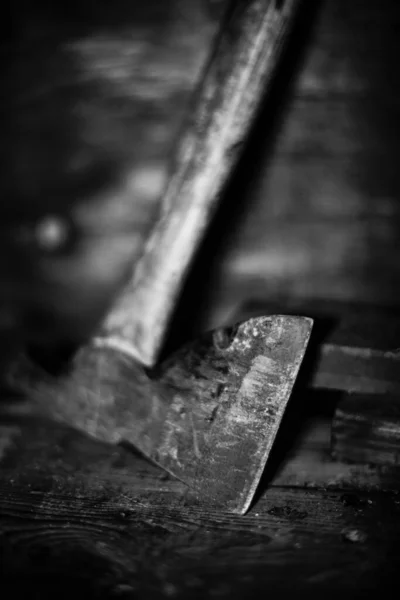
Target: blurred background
(311, 221)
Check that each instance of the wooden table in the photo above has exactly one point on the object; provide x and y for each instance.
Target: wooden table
(77, 516)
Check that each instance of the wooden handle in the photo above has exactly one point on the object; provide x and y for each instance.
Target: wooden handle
(238, 74)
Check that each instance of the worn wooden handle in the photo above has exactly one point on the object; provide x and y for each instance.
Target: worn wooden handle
(238, 74)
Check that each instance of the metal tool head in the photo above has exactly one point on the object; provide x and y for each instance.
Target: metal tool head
(229, 397)
(208, 415)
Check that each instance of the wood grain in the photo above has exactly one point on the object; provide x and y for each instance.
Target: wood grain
(76, 513)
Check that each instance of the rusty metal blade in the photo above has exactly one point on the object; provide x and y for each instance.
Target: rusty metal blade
(219, 443)
(208, 415)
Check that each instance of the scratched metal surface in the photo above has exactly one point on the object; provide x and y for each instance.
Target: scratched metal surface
(208, 415)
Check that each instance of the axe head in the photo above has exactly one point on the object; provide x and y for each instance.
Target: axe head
(208, 415)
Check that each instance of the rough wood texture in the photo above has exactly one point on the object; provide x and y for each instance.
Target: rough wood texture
(366, 429)
(240, 71)
(354, 369)
(208, 415)
(309, 462)
(78, 515)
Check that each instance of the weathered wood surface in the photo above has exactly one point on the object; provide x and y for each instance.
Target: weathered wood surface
(357, 352)
(313, 213)
(208, 415)
(366, 429)
(78, 515)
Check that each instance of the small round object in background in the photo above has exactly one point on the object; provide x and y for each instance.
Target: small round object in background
(52, 234)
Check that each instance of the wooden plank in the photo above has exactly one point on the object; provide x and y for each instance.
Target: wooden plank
(118, 552)
(353, 369)
(358, 354)
(109, 523)
(305, 460)
(241, 71)
(366, 429)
